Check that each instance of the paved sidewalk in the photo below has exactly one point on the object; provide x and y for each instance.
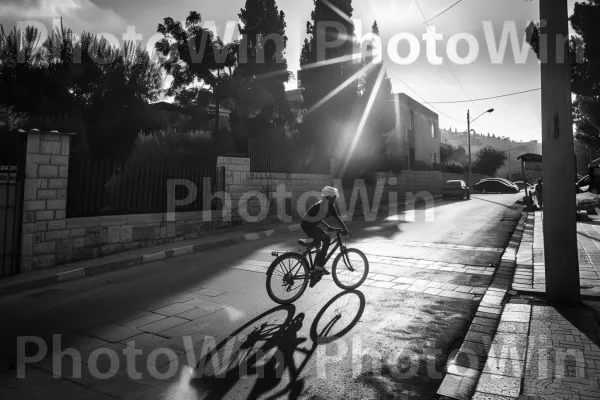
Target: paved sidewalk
(519, 347)
(137, 257)
(530, 275)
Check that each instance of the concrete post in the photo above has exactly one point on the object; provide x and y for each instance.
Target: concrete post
(45, 198)
(560, 230)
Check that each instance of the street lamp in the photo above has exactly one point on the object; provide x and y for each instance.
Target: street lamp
(491, 110)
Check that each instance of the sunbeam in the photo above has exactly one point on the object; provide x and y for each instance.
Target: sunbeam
(363, 120)
(341, 87)
(336, 60)
(337, 11)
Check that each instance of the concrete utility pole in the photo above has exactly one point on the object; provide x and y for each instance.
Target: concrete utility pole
(560, 230)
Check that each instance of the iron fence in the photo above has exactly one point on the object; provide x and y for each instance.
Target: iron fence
(107, 187)
(284, 156)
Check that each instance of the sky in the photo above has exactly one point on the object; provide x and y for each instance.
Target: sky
(517, 117)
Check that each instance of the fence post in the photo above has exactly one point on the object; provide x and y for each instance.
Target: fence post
(45, 199)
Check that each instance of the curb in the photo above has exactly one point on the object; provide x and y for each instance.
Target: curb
(462, 376)
(80, 273)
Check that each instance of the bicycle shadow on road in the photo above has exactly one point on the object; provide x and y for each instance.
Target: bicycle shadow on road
(263, 351)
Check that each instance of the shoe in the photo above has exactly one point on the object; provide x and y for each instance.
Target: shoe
(322, 270)
(314, 280)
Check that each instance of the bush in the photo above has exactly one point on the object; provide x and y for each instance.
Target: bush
(141, 183)
(454, 168)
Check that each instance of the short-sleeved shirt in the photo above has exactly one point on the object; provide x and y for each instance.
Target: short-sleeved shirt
(318, 212)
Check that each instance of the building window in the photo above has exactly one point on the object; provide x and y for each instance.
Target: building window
(412, 158)
(432, 129)
(411, 120)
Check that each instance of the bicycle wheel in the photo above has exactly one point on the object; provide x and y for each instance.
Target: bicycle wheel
(290, 273)
(352, 271)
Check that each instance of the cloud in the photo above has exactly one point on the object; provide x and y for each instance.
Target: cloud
(79, 15)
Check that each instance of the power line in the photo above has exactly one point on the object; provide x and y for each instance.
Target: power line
(486, 98)
(437, 15)
(449, 67)
(429, 104)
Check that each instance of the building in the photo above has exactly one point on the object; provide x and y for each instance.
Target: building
(416, 139)
(512, 148)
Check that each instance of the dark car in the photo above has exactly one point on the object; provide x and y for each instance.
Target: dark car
(583, 185)
(456, 189)
(495, 186)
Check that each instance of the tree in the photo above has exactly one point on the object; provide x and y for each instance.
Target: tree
(195, 58)
(323, 129)
(80, 85)
(584, 57)
(446, 152)
(488, 160)
(259, 80)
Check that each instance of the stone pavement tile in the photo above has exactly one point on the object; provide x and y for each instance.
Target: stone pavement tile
(510, 339)
(507, 351)
(433, 291)
(163, 325)
(449, 286)
(464, 371)
(487, 396)
(514, 317)
(513, 327)
(478, 290)
(400, 287)
(489, 330)
(145, 320)
(469, 359)
(112, 333)
(12, 388)
(500, 385)
(174, 309)
(143, 340)
(489, 310)
(404, 280)
(506, 367)
(485, 321)
(384, 284)
(61, 390)
(209, 292)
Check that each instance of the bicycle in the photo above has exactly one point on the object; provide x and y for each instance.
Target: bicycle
(303, 268)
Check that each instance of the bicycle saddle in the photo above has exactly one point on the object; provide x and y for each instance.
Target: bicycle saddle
(307, 243)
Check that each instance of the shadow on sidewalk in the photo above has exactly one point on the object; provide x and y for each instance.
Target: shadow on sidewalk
(265, 348)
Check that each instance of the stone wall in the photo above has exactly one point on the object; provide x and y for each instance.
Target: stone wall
(241, 183)
(88, 238)
(45, 198)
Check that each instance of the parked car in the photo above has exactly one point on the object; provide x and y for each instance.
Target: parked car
(495, 186)
(522, 185)
(458, 189)
(583, 185)
(505, 181)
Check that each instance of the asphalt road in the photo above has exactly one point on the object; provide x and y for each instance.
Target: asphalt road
(374, 342)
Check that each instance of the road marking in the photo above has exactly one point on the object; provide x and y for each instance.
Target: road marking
(394, 282)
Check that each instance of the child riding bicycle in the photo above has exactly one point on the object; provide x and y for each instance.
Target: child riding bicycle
(316, 216)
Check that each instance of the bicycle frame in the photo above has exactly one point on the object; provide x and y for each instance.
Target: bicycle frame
(310, 252)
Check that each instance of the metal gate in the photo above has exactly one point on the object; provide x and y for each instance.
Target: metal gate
(12, 178)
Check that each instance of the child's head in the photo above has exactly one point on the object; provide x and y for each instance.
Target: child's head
(330, 193)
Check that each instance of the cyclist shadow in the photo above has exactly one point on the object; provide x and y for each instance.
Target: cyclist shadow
(265, 351)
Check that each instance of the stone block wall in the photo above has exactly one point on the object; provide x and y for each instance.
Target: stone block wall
(240, 182)
(88, 238)
(45, 198)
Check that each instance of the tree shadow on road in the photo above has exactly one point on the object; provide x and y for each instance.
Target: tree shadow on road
(264, 349)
